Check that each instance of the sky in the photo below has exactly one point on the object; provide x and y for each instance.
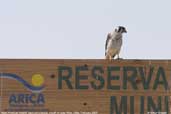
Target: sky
(77, 29)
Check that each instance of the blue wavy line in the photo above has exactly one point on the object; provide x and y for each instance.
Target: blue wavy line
(25, 83)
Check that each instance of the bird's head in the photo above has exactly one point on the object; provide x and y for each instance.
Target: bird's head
(121, 29)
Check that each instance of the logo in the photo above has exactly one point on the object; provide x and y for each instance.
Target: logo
(33, 101)
(37, 81)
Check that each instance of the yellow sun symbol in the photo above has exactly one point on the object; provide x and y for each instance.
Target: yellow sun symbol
(37, 80)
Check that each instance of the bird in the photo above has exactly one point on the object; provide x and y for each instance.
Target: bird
(114, 42)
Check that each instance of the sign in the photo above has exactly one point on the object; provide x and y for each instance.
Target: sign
(85, 86)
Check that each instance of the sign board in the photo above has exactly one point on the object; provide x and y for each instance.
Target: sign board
(85, 86)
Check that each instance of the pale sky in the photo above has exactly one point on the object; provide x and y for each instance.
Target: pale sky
(67, 29)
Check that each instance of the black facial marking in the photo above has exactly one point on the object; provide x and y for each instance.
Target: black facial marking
(120, 28)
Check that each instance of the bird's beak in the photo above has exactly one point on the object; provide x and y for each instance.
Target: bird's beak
(125, 31)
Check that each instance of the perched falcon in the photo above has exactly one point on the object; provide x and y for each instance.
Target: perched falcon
(114, 42)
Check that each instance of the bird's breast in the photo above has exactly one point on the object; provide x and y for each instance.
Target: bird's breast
(115, 43)
(112, 51)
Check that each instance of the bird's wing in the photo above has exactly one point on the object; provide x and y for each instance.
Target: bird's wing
(107, 40)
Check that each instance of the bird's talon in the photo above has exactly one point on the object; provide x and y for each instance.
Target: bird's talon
(119, 58)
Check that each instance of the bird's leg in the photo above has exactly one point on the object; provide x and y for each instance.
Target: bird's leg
(110, 58)
(118, 57)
